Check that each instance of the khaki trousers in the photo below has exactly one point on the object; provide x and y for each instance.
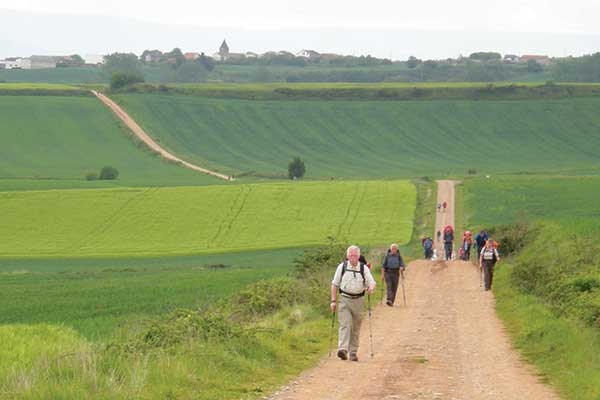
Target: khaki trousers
(350, 315)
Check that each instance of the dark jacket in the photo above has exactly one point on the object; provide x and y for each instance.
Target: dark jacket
(393, 261)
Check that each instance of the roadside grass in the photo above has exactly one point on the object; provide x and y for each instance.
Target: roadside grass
(150, 222)
(564, 350)
(58, 140)
(403, 137)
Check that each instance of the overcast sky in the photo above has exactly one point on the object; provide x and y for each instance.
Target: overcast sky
(573, 24)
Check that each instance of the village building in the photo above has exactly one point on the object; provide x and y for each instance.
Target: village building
(511, 59)
(40, 62)
(191, 56)
(542, 60)
(310, 54)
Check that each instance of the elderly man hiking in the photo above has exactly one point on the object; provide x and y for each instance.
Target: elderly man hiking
(487, 260)
(392, 267)
(352, 279)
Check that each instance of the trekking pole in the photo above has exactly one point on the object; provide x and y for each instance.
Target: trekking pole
(370, 327)
(402, 283)
(382, 283)
(331, 332)
(481, 277)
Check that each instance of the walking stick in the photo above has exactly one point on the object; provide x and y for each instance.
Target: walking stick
(382, 283)
(331, 332)
(481, 277)
(370, 327)
(402, 283)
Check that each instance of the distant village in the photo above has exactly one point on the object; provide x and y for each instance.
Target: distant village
(225, 56)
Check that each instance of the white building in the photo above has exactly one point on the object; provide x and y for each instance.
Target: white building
(19, 63)
(93, 59)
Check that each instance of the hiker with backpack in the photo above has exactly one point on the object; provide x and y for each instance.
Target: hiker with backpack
(427, 244)
(480, 240)
(448, 241)
(487, 260)
(392, 267)
(445, 205)
(352, 280)
(467, 242)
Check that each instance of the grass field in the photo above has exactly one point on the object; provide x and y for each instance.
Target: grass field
(389, 139)
(52, 142)
(212, 219)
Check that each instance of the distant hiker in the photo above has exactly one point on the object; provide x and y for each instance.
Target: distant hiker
(467, 242)
(352, 279)
(487, 259)
(445, 205)
(439, 235)
(363, 260)
(393, 266)
(427, 247)
(448, 241)
(439, 206)
(480, 240)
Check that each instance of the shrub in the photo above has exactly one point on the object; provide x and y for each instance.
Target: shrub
(296, 168)
(91, 176)
(108, 173)
(119, 80)
(472, 171)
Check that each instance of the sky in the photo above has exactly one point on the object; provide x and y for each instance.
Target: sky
(384, 28)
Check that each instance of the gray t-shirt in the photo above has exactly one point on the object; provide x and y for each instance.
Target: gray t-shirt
(352, 281)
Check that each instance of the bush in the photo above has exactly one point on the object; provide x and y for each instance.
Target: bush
(91, 176)
(108, 173)
(472, 171)
(121, 79)
(296, 168)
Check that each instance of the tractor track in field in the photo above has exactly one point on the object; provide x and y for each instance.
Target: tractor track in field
(447, 343)
(151, 143)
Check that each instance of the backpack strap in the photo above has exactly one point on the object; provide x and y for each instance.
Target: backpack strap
(362, 273)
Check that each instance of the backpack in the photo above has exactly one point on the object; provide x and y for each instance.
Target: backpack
(362, 273)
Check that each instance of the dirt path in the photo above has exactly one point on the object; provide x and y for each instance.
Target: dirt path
(143, 136)
(447, 344)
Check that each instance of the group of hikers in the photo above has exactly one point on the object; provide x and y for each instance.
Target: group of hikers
(353, 280)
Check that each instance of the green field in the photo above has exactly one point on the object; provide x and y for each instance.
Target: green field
(388, 139)
(53, 141)
(212, 219)
(508, 199)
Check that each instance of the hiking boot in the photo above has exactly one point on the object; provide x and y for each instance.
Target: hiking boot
(353, 357)
(389, 303)
(342, 354)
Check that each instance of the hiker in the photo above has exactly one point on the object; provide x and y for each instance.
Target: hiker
(352, 279)
(487, 259)
(439, 235)
(448, 241)
(445, 205)
(467, 242)
(480, 240)
(427, 244)
(363, 260)
(392, 267)
(439, 206)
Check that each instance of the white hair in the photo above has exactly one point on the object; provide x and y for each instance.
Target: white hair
(353, 248)
(393, 245)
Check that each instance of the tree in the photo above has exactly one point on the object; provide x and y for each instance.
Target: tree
(122, 79)
(412, 62)
(207, 62)
(296, 168)
(191, 71)
(485, 56)
(533, 66)
(121, 62)
(108, 173)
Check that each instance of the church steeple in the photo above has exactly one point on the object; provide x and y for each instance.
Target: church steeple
(224, 49)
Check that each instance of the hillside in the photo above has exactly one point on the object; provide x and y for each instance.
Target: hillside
(388, 139)
(53, 141)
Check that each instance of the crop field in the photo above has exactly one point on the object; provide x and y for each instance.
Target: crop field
(389, 139)
(211, 219)
(98, 302)
(54, 141)
(503, 200)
